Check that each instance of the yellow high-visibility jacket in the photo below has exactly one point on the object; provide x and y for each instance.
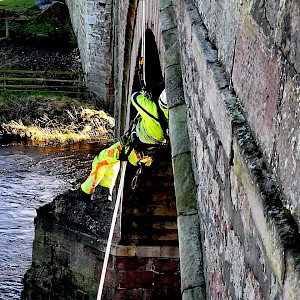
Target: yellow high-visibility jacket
(106, 165)
(148, 128)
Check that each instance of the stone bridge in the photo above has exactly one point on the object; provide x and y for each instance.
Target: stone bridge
(217, 215)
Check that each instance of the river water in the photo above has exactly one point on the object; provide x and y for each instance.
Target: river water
(29, 178)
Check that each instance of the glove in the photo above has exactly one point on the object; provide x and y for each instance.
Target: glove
(147, 160)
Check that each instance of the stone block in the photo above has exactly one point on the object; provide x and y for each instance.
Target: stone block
(174, 86)
(179, 136)
(172, 55)
(42, 252)
(135, 279)
(166, 281)
(130, 263)
(40, 235)
(292, 279)
(259, 95)
(185, 188)
(166, 265)
(133, 293)
(169, 251)
(170, 38)
(91, 20)
(121, 250)
(288, 144)
(265, 227)
(168, 19)
(148, 251)
(197, 292)
(191, 265)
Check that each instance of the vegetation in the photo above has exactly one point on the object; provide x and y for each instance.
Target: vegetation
(43, 118)
(50, 28)
(16, 5)
(51, 119)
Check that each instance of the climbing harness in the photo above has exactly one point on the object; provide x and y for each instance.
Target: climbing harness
(129, 140)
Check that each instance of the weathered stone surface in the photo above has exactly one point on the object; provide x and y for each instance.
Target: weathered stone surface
(221, 19)
(288, 145)
(178, 130)
(258, 95)
(194, 293)
(237, 73)
(172, 55)
(190, 257)
(174, 86)
(279, 21)
(184, 184)
(91, 21)
(168, 20)
(236, 206)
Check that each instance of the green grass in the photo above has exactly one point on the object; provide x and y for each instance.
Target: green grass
(18, 5)
(50, 34)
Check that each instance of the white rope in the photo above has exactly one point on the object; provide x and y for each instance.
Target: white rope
(112, 228)
(123, 169)
(143, 38)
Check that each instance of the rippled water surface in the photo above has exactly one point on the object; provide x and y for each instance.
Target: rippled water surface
(29, 178)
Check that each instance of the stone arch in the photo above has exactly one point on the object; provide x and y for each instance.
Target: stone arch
(165, 37)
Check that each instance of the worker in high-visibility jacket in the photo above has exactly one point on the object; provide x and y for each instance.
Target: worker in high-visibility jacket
(149, 132)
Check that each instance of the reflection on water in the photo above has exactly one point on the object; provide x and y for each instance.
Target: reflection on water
(29, 178)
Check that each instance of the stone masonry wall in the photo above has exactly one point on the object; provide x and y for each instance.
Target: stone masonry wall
(259, 49)
(92, 23)
(231, 70)
(123, 19)
(249, 239)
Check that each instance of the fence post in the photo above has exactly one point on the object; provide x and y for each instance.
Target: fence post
(4, 79)
(6, 28)
(44, 77)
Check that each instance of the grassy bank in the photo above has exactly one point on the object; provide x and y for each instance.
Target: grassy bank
(53, 119)
(16, 5)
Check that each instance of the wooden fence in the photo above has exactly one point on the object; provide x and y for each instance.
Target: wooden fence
(51, 81)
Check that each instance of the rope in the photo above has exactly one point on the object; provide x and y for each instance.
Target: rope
(123, 169)
(143, 40)
(112, 228)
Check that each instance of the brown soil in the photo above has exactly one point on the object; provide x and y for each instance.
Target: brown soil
(23, 57)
